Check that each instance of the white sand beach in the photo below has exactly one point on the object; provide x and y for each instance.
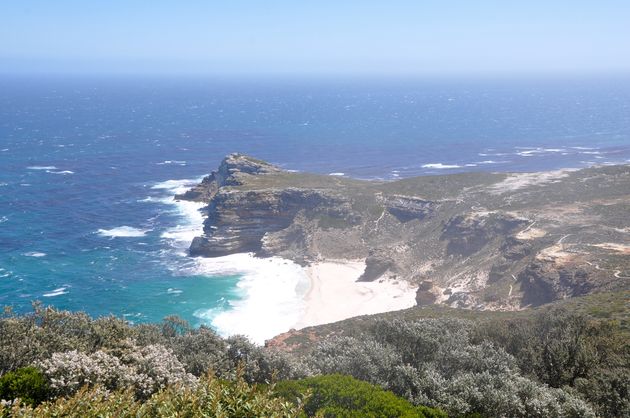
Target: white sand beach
(335, 294)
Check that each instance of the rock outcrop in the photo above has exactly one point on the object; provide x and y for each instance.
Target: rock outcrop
(377, 264)
(426, 293)
(237, 221)
(406, 208)
(468, 233)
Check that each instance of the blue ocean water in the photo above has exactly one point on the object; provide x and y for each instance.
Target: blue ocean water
(88, 166)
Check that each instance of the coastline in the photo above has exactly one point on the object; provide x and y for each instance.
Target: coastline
(335, 295)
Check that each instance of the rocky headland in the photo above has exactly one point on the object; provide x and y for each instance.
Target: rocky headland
(490, 241)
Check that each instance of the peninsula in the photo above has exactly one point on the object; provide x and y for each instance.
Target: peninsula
(483, 241)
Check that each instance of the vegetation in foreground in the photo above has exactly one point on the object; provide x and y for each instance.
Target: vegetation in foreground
(343, 396)
(554, 362)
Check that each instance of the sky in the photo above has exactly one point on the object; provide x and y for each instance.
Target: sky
(303, 37)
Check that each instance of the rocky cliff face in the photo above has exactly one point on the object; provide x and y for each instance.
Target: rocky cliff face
(483, 241)
(238, 221)
(246, 220)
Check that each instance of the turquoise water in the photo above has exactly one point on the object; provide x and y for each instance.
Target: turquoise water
(86, 220)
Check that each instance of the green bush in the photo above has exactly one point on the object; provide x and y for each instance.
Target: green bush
(27, 384)
(210, 398)
(344, 396)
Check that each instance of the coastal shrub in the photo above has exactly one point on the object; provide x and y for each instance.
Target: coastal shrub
(25, 339)
(435, 363)
(209, 398)
(609, 390)
(261, 365)
(200, 351)
(344, 396)
(563, 348)
(27, 384)
(364, 359)
(552, 358)
(34, 337)
(144, 370)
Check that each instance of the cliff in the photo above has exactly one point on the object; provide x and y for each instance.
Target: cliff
(478, 240)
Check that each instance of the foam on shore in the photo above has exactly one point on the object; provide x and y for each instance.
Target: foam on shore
(191, 219)
(271, 294)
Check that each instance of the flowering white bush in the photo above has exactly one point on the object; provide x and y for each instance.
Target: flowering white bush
(155, 367)
(145, 369)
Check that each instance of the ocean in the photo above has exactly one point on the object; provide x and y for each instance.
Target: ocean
(89, 166)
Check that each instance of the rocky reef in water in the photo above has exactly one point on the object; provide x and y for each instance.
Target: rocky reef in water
(475, 240)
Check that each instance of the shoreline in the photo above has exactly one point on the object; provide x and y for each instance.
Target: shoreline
(335, 295)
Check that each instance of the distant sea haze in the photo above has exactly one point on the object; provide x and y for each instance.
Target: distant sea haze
(89, 168)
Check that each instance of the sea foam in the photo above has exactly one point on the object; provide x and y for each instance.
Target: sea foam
(440, 166)
(56, 292)
(189, 213)
(41, 167)
(60, 172)
(123, 232)
(34, 254)
(272, 295)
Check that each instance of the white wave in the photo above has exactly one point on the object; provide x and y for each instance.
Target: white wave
(495, 154)
(181, 235)
(440, 166)
(3, 184)
(272, 291)
(60, 172)
(336, 174)
(3, 219)
(167, 162)
(56, 292)
(176, 186)
(172, 291)
(4, 149)
(34, 254)
(530, 152)
(527, 153)
(42, 167)
(491, 162)
(123, 232)
(591, 152)
(470, 165)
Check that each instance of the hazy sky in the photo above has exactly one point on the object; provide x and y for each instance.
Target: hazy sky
(388, 37)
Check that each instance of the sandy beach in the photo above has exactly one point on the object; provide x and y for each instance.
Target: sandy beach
(335, 294)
